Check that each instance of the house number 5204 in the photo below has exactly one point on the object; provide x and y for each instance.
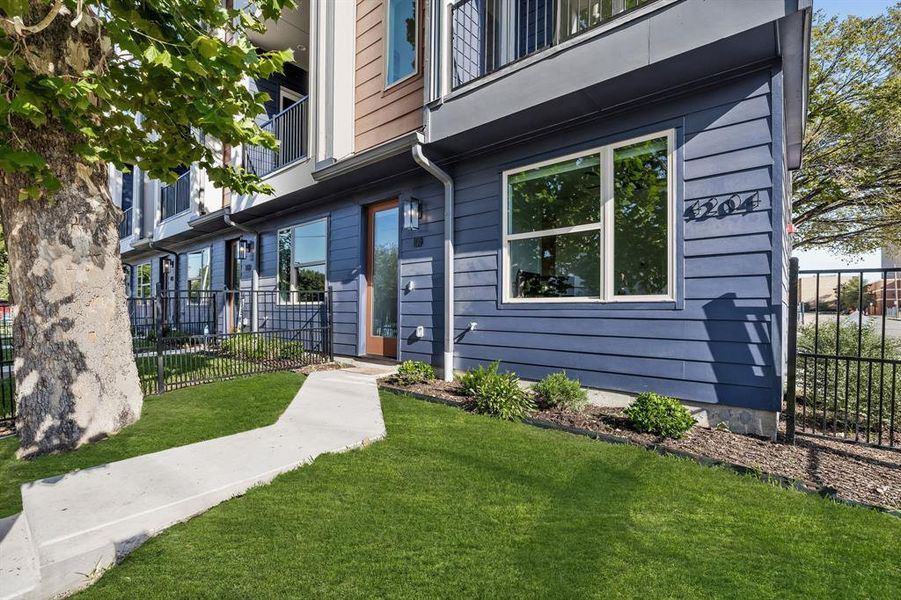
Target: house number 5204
(719, 206)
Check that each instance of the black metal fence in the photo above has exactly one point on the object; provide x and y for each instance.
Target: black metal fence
(7, 396)
(186, 337)
(490, 34)
(843, 381)
(290, 129)
(175, 198)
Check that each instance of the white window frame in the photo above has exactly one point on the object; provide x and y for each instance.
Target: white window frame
(294, 264)
(386, 45)
(605, 226)
(209, 254)
(139, 284)
(290, 94)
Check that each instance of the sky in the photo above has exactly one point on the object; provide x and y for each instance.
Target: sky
(821, 259)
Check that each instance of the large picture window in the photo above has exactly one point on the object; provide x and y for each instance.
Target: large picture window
(400, 40)
(302, 252)
(198, 274)
(143, 286)
(594, 226)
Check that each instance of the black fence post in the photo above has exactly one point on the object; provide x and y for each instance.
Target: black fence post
(158, 327)
(331, 325)
(791, 374)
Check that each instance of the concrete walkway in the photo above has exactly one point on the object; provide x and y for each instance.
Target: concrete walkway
(75, 526)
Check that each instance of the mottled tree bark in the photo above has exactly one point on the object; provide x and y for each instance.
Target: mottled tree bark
(76, 379)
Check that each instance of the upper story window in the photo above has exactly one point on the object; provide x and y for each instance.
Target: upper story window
(143, 279)
(302, 258)
(198, 274)
(175, 198)
(489, 34)
(127, 203)
(400, 40)
(594, 226)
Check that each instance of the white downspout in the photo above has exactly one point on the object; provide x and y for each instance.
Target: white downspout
(445, 179)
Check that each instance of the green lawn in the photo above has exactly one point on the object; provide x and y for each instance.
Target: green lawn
(172, 419)
(457, 505)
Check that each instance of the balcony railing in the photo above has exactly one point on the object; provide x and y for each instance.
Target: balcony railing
(125, 226)
(290, 129)
(175, 198)
(490, 34)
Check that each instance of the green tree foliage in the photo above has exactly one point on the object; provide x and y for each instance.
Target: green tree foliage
(847, 195)
(179, 64)
(850, 295)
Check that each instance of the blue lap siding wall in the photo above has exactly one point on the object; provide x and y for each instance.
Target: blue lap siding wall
(719, 342)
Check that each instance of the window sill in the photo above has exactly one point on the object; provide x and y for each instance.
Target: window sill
(588, 304)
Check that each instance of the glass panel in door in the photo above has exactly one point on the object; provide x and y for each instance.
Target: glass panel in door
(383, 254)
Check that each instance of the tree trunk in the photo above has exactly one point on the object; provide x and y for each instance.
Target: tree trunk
(76, 379)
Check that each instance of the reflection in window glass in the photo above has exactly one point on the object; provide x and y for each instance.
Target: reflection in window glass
(401, 39)
(384, 273)
(554, 266)
(302, 252)
(560, 195)
(143, 288)
(640, 219)
(284, 264)
(198, 274)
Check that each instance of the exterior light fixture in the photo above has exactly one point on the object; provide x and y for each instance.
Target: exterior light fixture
(243, 249)
(412, 214)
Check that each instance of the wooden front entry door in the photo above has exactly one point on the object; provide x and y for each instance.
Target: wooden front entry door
(383, 246)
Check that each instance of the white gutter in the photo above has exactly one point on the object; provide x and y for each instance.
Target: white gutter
(255, 276)
(445, 179)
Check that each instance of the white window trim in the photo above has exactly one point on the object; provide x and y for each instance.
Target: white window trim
(605, 226)
(137, 271)
(283, 93)
(295, 264)
(209, 264)
(385, 46)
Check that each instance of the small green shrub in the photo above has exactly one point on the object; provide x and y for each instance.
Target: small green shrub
(660, 415)
(411, 372)
(472, 379)
(496, 394)
(558, 390)
(253, 347)
(290, 350)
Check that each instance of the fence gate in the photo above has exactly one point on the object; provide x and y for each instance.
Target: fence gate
(844, 354)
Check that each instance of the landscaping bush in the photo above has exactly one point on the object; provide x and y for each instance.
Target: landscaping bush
(255, 347)
(496, 394)
(559, 391)
(660, 415)
(411, 372)
(472, 379)
(837, 388)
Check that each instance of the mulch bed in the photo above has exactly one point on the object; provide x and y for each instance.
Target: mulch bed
(329, 366)
(848, 472)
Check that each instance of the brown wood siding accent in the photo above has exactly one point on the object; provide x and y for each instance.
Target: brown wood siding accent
(383, 114)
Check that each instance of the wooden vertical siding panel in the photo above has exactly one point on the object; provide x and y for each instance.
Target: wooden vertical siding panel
(382, 114)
